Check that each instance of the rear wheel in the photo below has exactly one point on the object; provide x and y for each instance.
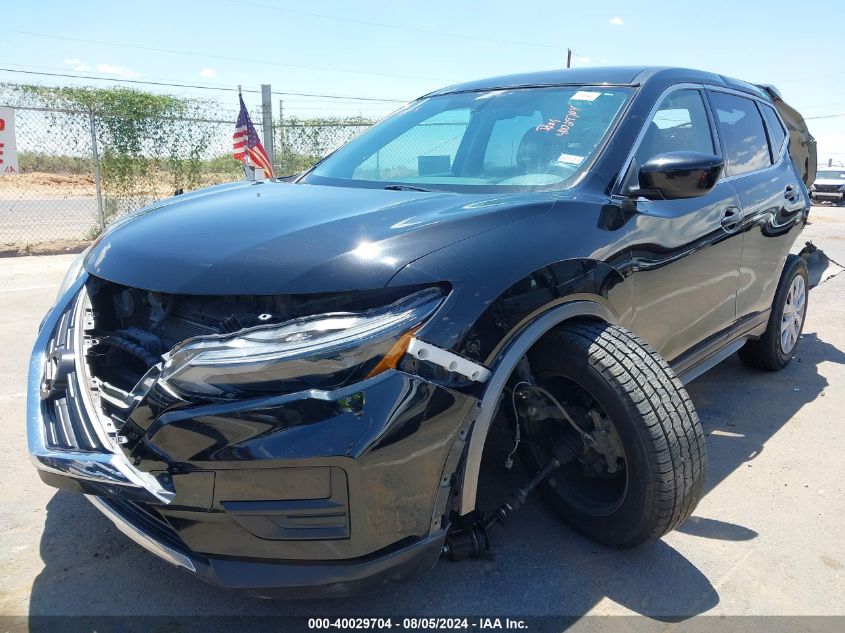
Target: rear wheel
(641, 460)
(777, 346)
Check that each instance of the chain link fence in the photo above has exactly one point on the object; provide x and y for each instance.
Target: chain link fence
(55, 194)
(299, 144)
(81, 169)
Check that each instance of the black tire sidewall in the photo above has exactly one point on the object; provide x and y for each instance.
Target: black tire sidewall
(632, 517)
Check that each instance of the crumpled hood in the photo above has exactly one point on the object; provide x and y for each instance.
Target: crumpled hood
(279, 238)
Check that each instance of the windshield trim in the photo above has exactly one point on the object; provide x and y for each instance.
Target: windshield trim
(447, 91)
(308, 178)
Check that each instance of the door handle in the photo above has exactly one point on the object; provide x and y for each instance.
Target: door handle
(791, 194)
(731, 218)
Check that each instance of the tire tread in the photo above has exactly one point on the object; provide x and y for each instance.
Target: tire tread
(655, 396)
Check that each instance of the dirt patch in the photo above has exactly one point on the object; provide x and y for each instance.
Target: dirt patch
(39, 185)
(55, 247)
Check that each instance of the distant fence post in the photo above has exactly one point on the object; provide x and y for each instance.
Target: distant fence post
(100, 215)
(282, 170)
(267, 113)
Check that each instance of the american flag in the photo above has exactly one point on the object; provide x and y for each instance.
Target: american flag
(246, 144)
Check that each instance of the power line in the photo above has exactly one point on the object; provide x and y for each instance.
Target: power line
(173, 51)
(824, 116)
(126, 81)
(385, 25)
(253, 91)
(201, 87)
(810, 78)
(85, 69)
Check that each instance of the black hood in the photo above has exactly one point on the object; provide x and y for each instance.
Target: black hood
(278, 238)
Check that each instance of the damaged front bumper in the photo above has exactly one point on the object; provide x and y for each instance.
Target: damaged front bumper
(67, 441)
(314, 493)
(277, 579)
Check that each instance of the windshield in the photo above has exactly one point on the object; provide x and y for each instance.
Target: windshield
(828, 174)
(500, 140)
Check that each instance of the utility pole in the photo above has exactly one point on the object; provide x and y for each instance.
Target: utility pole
(569, 58)
(267, 116)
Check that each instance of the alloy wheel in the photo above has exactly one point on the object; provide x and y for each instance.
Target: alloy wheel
(793, 314)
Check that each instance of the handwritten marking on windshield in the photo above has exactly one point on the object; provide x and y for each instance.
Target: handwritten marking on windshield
(548, 127)
(569, 121)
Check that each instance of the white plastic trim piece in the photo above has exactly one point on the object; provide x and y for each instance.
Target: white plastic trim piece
(447, 360)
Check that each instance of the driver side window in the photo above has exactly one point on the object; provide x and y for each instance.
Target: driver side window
(680, 124)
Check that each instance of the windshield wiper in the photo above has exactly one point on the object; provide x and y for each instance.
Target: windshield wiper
(406, 188)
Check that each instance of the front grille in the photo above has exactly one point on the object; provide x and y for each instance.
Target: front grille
(67, 425)
(828, 188)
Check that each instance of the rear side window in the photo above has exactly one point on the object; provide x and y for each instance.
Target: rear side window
(776, 131)
(743, 135)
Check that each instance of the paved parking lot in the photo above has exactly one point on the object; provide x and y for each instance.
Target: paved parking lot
(768, 538)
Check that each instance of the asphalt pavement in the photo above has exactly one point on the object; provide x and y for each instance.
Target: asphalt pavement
(768, 538)
(46, 220)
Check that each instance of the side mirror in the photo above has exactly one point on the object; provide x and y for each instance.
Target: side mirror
(677, 175)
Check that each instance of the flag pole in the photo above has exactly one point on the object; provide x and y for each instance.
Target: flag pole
(249, 170)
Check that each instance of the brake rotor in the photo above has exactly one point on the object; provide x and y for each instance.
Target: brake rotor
(605, 441)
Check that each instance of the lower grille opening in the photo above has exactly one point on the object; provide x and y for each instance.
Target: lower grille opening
(150, 521)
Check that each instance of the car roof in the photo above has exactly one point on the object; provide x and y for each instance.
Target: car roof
(603, 75)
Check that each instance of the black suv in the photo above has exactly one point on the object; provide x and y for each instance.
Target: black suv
(290, 384)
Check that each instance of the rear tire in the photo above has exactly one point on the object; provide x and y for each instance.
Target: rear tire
(655, 421)
(777, 346)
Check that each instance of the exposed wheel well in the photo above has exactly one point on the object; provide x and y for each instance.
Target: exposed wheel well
(499, 444)
(503, 369)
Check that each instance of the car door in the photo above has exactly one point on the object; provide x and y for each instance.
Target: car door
(686, 252)
(772, 196)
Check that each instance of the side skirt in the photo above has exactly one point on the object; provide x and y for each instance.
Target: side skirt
(694, 363)
(711, 361)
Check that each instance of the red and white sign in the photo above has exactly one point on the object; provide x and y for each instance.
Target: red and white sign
(8, 148)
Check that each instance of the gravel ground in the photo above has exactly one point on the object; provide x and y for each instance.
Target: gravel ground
(767, 539)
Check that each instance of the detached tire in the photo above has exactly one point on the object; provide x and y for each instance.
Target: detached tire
(777, 346)
(660, 479)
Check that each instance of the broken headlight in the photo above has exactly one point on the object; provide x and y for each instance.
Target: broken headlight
(322, 351)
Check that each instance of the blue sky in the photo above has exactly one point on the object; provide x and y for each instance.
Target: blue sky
(398, 50)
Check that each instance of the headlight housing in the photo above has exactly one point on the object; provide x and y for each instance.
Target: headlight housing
(322, 351)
